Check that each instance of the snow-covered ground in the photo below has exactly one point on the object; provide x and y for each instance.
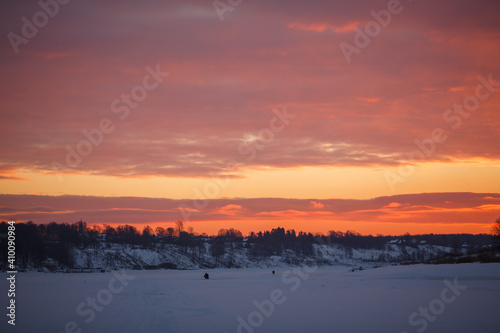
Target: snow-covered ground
(444, 298)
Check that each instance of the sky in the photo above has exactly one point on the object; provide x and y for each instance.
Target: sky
(374, 116)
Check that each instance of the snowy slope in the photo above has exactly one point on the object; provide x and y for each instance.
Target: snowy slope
(117, 256)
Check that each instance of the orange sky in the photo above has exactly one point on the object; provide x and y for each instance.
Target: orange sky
(103, 115)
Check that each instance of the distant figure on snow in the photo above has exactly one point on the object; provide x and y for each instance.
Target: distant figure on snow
(206, 276)
(273, 272)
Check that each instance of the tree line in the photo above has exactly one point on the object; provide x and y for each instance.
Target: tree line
(36, 242)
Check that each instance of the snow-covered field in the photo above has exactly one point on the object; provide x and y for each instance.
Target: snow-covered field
(444, 298)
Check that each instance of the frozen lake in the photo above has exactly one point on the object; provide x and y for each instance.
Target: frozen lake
(444, 298)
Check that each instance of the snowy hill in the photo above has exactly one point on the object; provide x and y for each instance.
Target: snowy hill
(75, 247)
(108, 256)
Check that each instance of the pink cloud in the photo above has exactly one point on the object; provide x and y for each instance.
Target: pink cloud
(230, 209)
(309, 27)
(426, 209)
(316, 204)
(218, 90)
(393, 205)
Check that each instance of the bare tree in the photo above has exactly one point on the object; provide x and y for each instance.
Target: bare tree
(160, 231)
(147, 231)
(179, 227)
(97, 229)
(496, 231)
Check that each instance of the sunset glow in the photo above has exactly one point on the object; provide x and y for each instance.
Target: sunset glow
(147, 113)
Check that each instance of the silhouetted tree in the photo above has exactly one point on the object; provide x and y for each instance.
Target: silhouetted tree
(218, 248)
(82, 226)
(159, 231)
(170, 232)
(496, 232)
(110, 232)
(179, 227)
(128, 234)
(147, 237)
(230, 234)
